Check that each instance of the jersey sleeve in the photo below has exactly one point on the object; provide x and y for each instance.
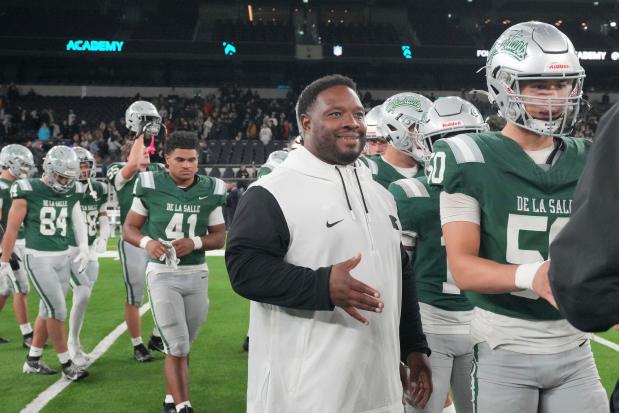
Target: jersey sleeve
(21, 189)
(449, 162)
(144, 183)
(404, 192)
(112, 171)
(219, 190)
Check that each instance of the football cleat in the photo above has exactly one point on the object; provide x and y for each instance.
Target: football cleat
(73, 372)
(3, 340)
(156, 344)
(27, 343)
(37, 367)
(169, 408)
(186, 409)
(141, 354)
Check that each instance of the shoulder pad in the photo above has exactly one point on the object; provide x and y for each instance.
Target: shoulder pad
(372, 165)
(24, 184)
(413, 188)
(219, 186)
(4, 185)
(465, 149)
(147, 179)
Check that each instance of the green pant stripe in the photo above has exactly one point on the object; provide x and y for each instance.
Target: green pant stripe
(123, 260)
(44, 298)
(474, 384)
(152, 309)
(75, 280)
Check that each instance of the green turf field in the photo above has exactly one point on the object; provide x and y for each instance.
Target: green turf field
(119, 384)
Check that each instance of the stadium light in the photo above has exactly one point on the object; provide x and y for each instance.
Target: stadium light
(250, 13)
(613, 24)
(338, 50)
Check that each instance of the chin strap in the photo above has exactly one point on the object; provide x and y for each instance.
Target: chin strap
(151, 147)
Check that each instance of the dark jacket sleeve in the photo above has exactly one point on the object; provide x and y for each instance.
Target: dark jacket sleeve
(584, 266)
(412, 338)
(255, 250)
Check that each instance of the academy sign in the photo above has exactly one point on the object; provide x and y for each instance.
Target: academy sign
(95, 46)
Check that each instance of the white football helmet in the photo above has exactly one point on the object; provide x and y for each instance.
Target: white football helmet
(18, 160)
(448, 116)
(399, 121)
(61, 161)
(371, 122)
(534, 51)
(142, 116)
(84, 156)
(295, 143)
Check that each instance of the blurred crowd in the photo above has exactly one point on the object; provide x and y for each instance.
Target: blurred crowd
(229, 114)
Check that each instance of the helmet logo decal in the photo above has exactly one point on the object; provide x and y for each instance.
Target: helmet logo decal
(514, 44)
(398, 101)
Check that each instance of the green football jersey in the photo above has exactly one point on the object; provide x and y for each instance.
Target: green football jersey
(90, 206)
(124, 195)
(418, 209)
(48, 220)
(383, 172)
(523, 207)
(175, 213)
(5, 205)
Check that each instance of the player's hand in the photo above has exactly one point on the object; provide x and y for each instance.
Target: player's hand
(183, 246)
(6, 270)
(138, 153)
(156, 249)
(82, 260)
(100, 245)
(419, 387)
(541, 284)
(351, 294)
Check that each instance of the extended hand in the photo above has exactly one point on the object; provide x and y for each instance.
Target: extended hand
(351, 294)
(541, 284)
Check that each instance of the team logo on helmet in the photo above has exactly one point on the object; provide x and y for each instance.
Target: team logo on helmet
(514, 44)
(399, 101)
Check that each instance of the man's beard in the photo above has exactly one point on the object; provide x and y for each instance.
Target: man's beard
(331, 153)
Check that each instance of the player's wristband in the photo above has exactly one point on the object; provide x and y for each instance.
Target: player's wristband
(145, 239)
(197, 243)
(525, 274)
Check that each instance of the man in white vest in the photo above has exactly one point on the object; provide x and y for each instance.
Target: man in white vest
(316, 246)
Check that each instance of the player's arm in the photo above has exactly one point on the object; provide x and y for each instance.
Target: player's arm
(17, 214)
(132, 230)
(136, 155)
(461, 229)
(100, 242)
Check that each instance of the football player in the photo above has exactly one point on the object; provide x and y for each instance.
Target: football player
(445, 311)
(177, 214)
(399, 118)
(374, 143)
(93, 204)
(505, 196)
(47, 207)
(16, 162)
(144, 121)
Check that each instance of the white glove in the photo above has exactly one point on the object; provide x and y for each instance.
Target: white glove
(6, 270)
(170, 256)
(81, 260)
(100, 245)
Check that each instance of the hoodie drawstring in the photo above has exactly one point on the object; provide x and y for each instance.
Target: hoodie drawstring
(361, 190)
(346, 193)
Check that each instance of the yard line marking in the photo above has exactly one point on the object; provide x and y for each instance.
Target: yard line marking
(607, 343)
(52, 391)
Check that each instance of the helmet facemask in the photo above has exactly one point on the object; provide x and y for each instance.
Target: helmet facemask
(562, 111)
(61, 186)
